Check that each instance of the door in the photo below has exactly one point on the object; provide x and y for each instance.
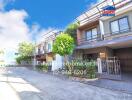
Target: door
(125, 57)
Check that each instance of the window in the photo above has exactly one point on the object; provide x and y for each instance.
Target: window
(38, 50)
(49, 47)
(91, 34)
(120, 25)
(88, 35)
(94, 33)
(123, 23)
(114, 27)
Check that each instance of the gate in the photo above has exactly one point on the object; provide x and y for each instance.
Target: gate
(111, 68)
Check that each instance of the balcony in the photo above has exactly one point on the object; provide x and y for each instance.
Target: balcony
(109, 36)
(89, 40)
(118, 34)
(121, 39)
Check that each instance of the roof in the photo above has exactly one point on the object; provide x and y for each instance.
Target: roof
(95, 12)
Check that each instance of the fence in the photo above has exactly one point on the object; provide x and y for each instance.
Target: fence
(110, 68)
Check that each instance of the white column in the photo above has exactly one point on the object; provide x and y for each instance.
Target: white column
(99, 65)
(101, 27)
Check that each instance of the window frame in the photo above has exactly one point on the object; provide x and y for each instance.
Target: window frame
(90, 30)
(49, 47)
(120, 31)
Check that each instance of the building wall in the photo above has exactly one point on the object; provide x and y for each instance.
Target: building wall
(49, 57)
(57, 62)
(78, 54)
(82, 30)
(103, 52)
(107, 29)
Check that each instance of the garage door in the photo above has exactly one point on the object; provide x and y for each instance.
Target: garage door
(125, 57)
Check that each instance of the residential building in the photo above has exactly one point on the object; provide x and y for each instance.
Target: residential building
(108, 38)
(44, 52)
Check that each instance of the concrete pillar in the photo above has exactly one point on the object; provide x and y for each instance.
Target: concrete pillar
(99, 65)
(78, 37)
(101, 27)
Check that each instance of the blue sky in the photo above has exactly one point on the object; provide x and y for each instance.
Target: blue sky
(51, 13)
(24, 20)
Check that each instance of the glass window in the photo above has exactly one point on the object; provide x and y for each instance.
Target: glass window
(114, 27)
(94, 33)
(88, 35)
(120, 25)
(49, 47)
(123, 23)
(91, 34)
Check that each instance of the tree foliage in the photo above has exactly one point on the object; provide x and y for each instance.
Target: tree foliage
(72, 30)
(25, 52)
(63, 45)
(23, 58)
(26, 49)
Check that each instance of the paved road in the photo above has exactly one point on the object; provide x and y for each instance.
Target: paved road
(24, 84)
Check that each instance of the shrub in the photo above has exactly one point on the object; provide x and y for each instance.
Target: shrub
(43, 67)
(87, 67)
(91, 69)
(19, 59)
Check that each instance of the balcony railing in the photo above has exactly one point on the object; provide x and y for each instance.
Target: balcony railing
(118, 34)
(99, 37)
(43, 52)
(88, 40)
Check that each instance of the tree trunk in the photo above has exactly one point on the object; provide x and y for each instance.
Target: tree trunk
(65, 59)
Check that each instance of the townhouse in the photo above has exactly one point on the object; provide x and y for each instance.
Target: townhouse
(107, 39)
(44, 52)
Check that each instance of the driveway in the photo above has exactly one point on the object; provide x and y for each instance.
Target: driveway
(24, 84)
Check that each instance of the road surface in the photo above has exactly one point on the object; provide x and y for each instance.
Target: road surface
(24, 84)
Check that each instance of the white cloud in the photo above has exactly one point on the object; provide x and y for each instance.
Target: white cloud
(3, 3)
(13, 28)
(40, 34)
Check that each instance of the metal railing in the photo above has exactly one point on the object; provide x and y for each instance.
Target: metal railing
(93, 38)
(111, 66)
(43, 52)
(118, 33)
(100, 37)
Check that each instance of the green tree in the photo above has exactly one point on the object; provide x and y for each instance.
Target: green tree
(25, 52)
(26, 49)
(23, 58)
(72, 30)
(63, 45)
